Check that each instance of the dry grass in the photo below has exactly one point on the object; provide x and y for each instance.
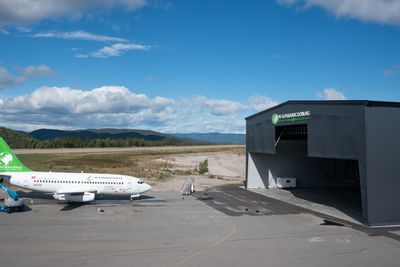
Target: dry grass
(140, 164)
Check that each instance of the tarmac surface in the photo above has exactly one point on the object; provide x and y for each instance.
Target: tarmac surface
(219, 227)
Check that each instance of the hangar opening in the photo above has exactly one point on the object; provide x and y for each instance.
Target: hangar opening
(290, 132)
(328, 181)
(341, 154)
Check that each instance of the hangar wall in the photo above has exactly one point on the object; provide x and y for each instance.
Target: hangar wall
(336, 129)
(383, 165)
(366, 132)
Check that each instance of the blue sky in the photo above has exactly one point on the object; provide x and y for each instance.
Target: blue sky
(189, 66)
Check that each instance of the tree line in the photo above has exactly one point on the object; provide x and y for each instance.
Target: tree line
(17, 139)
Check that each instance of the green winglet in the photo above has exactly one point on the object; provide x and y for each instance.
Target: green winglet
(9, 161)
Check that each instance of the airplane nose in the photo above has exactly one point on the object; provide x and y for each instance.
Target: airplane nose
(146, 187)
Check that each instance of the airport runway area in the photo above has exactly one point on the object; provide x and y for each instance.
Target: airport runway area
(220, 227)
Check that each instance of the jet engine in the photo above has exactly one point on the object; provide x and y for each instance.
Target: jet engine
(75, 197)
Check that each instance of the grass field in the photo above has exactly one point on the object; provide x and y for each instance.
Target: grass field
(136, 163)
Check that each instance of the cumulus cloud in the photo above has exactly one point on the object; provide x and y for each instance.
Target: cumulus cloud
(64, 100)
(331, 94)
(220, 106)
(79, 35)
(118, 49)
(103, 106)
(261, 102)
(8, 80)
(29, 11)
(379, 11)
(41, 70)
(117, 106)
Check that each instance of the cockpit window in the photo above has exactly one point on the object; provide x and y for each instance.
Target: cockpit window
(140, 182)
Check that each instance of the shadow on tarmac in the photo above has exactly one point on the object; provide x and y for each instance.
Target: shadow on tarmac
(240, 202)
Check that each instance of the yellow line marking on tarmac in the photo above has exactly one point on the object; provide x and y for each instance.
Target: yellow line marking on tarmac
(201, 251)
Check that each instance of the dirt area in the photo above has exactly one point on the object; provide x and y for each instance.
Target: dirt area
(164, 168)
(223, 168)
(220, 164)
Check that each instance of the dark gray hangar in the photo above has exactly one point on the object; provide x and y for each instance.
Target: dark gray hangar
(331, 144)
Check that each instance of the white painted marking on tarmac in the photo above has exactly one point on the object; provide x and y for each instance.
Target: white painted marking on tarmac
(317, 239)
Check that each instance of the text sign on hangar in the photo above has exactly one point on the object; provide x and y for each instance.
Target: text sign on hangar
(291, 117)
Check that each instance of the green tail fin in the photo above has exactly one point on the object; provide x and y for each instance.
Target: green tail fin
(8, 161)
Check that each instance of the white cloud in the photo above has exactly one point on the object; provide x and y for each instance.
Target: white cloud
(331, 94)
(41, 70)
(79, 35)
(117, 106)
(379, 11)
(393, 70)
(6, 80)
(24, 74)
(29, 11)
(260, 102)
(81, 55)
(118, 49)
(220, 106)
(106, 106)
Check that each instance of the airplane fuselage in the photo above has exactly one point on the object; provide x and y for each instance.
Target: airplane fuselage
(67, 185)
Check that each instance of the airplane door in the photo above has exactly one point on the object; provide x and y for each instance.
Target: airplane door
(26, 182)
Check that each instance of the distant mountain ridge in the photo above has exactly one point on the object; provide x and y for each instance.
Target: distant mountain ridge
(48, 134)
(148, 135)
(217, 138)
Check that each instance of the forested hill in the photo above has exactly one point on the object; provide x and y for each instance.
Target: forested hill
(45, 138)
(16, 139)
(48, 134)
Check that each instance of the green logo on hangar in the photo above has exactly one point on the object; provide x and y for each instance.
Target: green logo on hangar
(275, 119)
(290, 117)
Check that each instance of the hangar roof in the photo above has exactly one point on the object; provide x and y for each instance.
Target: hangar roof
(367, 103)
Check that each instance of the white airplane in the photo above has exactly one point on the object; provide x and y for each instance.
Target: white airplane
(70, 187)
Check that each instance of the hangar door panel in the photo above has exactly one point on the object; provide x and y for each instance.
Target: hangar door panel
(260, 135)
(339, 135)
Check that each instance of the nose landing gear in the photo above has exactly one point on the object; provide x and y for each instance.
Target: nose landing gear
(132, 197)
